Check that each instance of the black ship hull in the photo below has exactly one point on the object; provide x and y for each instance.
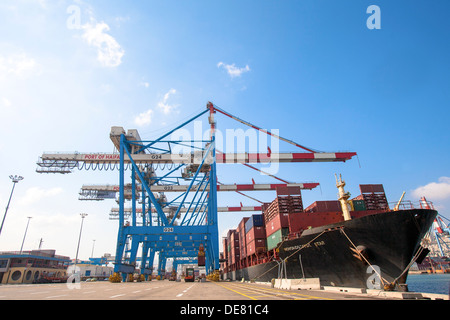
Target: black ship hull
(352, 253)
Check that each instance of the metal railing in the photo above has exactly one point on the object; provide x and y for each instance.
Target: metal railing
(409, 205)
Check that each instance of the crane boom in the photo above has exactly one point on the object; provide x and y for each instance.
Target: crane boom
(115, 211)
(220, 187)
(72, 160)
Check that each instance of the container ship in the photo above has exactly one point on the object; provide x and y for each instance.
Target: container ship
(359, 243)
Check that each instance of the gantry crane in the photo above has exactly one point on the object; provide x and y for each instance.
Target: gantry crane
(193, 219)
(439, 237)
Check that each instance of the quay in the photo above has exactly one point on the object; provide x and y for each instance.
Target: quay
(194, 291)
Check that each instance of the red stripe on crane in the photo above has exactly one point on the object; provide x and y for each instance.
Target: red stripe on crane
(235, 209)
(303, 156)
(310, 185)
(344, 155)
(245, 187)
(277, 185)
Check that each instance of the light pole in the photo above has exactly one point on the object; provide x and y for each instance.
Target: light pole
(26, 229)
(14, 179)
(93, 245)
(83, 215)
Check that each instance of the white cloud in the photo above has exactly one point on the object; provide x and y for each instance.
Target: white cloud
(434, 190)
(232, 70)
(145, 84)
(163, 104)
(19, 65)
(109, 51)
(35, 194)
(144, 118)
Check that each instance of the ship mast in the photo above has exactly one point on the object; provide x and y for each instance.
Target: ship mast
(343, 197)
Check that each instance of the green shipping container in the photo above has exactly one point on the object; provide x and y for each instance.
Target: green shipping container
(359, 205)
(276, 237)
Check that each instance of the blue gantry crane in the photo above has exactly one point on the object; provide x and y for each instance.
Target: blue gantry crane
(198, 224)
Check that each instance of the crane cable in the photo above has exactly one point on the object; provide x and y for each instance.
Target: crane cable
(263, 130)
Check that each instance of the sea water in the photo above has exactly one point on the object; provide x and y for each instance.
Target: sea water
(429, 283)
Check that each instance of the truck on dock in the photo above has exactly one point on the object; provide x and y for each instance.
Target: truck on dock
(190, 276)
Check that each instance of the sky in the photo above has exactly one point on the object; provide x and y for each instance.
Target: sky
(330, 75)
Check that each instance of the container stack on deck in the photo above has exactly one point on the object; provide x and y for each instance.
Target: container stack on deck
(373, 196)
(257, 237)
(276, 215)
(255, 234)
(242, 241)
(233, 249)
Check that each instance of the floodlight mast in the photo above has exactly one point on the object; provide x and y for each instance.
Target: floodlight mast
(15, 179)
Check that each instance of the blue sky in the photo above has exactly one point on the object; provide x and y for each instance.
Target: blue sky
(311, 69)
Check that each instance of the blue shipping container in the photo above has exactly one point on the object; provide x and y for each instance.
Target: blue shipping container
(255, 220)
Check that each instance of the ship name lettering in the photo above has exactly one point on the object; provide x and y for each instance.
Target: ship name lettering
(297, 247)
(319, 243)
(308, 245)
(292, 248)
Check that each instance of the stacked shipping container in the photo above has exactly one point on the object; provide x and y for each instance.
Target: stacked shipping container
(277, 215)
(233, 247)
(225, 262)
(225, 247)
(255, 234)
(285, 217)
(374, 196)
(327, 206)
(242, 240)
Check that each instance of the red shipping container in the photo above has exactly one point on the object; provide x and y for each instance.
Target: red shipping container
(201, 260)
(242, 244)
(288, 191)
(323, 206)
(241, 225)
(371, 188)
(234, 239)
(303, 220)
(234, 255)
(255, 233)
(242, 241)
(256, 246)
(279, 221)
(280, 205)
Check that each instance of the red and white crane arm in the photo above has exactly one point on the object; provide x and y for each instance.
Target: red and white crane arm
(220, 187)
(48, 160)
